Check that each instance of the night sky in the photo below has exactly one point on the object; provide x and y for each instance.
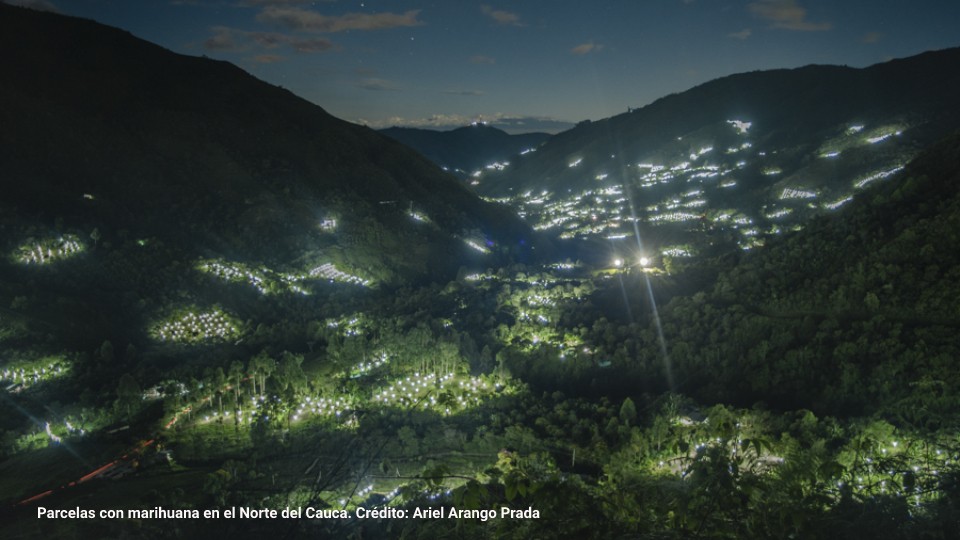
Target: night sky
(522, 66)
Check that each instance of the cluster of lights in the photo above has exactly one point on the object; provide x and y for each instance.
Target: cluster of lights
(779, 213)
(696, 155)
(674, 217)
(330, 272)
(838, 203)
(328, 407)
(197, 327)
(879, 175)
(417, 216)
(328, 224)
(366, 367)
(349, 327)
(476, 245)
(424, 389)
(263, 280)
(49, 250)
(677, 251)
(235, 272)
(792, 193)
(24, 374)
(882, 137)
(741, 126)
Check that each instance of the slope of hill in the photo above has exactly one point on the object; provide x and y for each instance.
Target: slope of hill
(103, 130)
(749, 155)
(467, 150)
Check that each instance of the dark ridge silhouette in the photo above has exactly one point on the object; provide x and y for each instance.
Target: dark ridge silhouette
(200, 152)
(466, 149)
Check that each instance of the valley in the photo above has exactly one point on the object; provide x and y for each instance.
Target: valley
(728, 314)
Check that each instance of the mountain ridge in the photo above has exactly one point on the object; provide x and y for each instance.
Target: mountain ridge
(158, 138)
(466, 149)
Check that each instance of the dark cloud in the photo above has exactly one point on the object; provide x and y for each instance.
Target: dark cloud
(586, 48)
(871, 37)
(268, 40)
(504, 18)
(232, 40)
(786, 14)
(267, 58)
(741, 35)
(311, 21)
(311, 45)
(378, 85)
(223, 39)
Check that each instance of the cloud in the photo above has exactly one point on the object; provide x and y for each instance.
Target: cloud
(786, 14)
(503, 18)
(482, 59)
(267, 40)
(311, 45)
(228, 39)
(377, 85)
(39, 5)
(741, 35)
(311, 21)
(267, 58)
(508, 123)
(871, 37)
(586, 48)
(223, 39)
(462, 92)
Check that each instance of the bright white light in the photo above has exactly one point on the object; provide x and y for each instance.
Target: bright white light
(618, 262)
(644, 262)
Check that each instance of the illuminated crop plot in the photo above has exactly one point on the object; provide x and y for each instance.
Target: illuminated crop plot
(677, 251)
(794, 193)
(779, 213)
(445, 394)
(879, 175)
(330, 272)
(741, 126)
(332, 407)
(49, 250)
(192, 327)
(476, 245)
(418, 216)
(22, 374)
(364, 368)
(236, 273)
(264, 280)
(349, 327)
(673, 217)
(838, 203)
